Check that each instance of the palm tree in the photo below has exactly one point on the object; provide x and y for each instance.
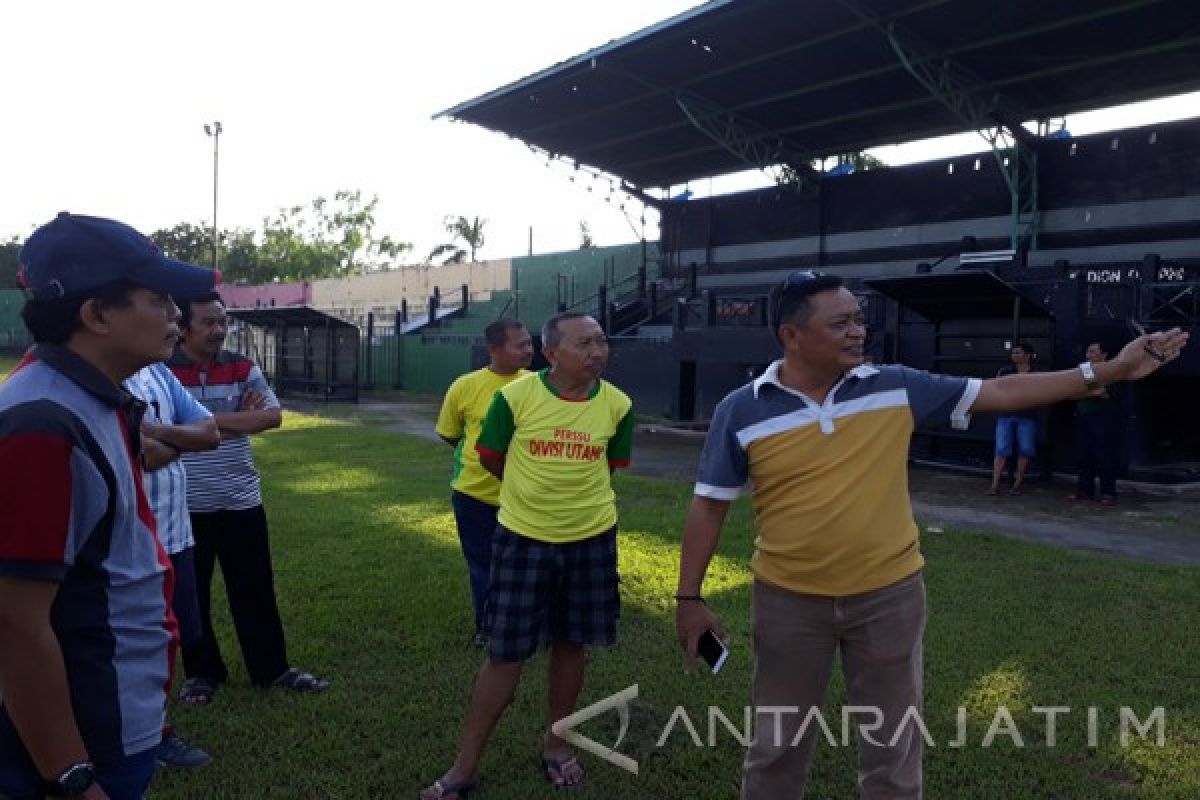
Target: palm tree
(454, 254)
(468, 231)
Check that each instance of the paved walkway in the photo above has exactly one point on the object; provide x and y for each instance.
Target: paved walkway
(1167, 546)
(1163, 530)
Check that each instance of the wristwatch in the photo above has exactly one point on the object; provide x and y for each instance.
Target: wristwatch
(1089, 376)
(73, 781)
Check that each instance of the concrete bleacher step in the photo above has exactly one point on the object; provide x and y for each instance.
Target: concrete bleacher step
(417, 322)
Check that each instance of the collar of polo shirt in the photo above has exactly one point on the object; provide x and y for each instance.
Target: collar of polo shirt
(771, 375)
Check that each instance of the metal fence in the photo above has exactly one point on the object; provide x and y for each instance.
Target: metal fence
(257, 344)
(381, 355)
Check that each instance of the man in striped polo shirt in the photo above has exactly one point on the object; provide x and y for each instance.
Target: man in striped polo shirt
(174, 423)
(476, 495)
(822, 440)
(553, 438)
(225, 502)
(86, 632)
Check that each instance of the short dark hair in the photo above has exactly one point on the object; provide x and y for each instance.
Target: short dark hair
(496, 333)
(790, 300)
(551, 335)
(55, 321)
(1027, 347)
(185, 306)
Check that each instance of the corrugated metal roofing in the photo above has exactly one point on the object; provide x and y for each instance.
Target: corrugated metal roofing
(800, 79)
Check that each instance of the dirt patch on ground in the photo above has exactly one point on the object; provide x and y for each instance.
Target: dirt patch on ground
(1143, 526)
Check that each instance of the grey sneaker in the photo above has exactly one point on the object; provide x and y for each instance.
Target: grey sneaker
(173, 751)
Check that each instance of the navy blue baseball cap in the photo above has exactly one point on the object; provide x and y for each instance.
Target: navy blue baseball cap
(74, 253)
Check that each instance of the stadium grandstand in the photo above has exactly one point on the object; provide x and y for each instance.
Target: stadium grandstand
(1040, 236)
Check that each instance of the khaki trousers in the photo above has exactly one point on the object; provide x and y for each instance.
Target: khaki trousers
(795, 637)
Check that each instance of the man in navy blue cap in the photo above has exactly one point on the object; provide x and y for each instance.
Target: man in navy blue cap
(86, 631)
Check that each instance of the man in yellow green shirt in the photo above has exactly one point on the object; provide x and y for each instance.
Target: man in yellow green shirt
(554, 437)
(476, 492)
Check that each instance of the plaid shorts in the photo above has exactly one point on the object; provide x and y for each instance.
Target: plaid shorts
(541, 592)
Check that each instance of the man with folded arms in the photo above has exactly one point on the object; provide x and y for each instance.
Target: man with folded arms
(224, 498)
(174, 423)
(86, 631)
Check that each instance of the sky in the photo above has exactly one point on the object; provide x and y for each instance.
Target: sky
(105, 105)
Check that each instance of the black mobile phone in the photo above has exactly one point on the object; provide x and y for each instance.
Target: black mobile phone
(712, 650)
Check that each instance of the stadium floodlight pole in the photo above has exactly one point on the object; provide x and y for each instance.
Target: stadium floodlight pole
(214, 131)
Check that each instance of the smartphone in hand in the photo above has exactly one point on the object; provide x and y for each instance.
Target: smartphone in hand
(712, 650)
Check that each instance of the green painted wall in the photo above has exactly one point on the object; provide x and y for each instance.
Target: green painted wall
(536, 277)
(13, 335)
(386, 365)
(428, 361)
(431, 363)
(414, 362)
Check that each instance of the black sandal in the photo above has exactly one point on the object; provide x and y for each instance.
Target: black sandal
(300, 681)
(197, 691)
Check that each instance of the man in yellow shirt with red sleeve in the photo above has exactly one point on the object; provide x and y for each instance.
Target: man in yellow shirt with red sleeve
(476, 494)
(554, 438)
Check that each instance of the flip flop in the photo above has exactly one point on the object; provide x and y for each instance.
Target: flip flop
(197, 691)
(447, 791)
(556, 771)
(300, 681)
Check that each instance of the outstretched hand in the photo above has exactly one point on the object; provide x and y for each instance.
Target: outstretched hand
(1148, 352)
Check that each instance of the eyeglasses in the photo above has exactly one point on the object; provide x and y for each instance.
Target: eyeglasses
(797, 279)
(795, 287)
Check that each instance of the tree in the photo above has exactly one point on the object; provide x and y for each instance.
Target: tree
(323, 239)
(348, 225)
(454, 254)
(468, 231)
(9, 263)
(327, 240)
(187, 242)
(585, 236)
(292, 247)
(385, 254)
(237, 251)
(240, 261)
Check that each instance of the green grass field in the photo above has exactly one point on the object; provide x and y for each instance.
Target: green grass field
(374, 595)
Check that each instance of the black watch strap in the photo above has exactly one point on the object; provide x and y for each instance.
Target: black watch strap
(72, 781)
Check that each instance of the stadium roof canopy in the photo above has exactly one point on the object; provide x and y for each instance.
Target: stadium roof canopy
(735, 84)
